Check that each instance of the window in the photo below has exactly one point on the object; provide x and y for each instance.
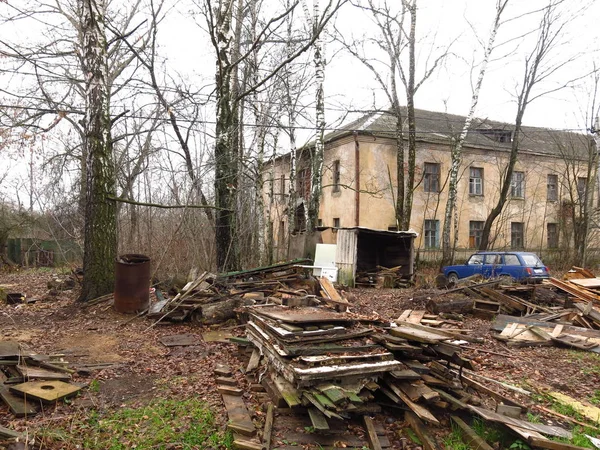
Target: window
(552, 188)
(517, 185)
(431, 177)
(476, 181)
(336, 222)
(516, 235)
(475, 260)
(336, 175)
(511, 260)
(552, 232)
(475, 230)
(493, 259)
(581, 188)
(282, 188)
(432, 233)
(303, 184)
(319, 222)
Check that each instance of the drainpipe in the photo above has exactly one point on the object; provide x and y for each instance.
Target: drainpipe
(357, 178)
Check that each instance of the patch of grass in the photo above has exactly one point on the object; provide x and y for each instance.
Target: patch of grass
(595, 398)
(454, 440)
(579, 438)
(486, 431)
(533, 418)
(187, 424)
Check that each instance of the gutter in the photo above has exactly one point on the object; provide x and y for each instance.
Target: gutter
(357, 178)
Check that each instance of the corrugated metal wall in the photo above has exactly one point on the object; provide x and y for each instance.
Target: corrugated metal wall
(347, 247)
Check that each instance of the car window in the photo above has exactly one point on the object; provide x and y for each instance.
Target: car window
(492, 259)
(475, 260)
(511, 260)
(531, 260)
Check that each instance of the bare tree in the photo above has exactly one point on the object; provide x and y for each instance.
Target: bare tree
(538, 67)
(398, 40)
(456, 156)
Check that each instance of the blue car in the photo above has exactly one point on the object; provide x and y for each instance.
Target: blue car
(519, 266)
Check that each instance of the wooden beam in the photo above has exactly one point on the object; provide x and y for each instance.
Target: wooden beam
(420, 430)
(268, 429)
(469, 436)
(372, 434)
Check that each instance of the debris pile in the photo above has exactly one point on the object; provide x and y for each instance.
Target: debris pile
(210, 299)
(382, 277)
(28, 380)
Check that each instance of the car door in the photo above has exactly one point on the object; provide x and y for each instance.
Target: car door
(512, 266)
(491, 261)
(472, 267)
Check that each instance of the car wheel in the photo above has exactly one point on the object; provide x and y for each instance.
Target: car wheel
(506, 279)
(452, 278)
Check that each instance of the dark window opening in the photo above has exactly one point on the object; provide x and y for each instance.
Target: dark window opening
(552, 231)
(475, 231)
(336, 175)
(431, 177)
(517, 240)
(517, 185)
(496, 134)
(552, 188)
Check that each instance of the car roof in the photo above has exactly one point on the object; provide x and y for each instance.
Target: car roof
(492, 252)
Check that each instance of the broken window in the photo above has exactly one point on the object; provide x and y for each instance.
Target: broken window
(336, 222)
(517, 240)
(581, 188)
(303, 184)
(552, 188)
(475, 231)
(552, 231)
(431, 177)
(517, 185)
(432, 233)
(336, 175)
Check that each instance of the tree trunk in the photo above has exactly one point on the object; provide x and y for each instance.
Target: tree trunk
(450, 212)
(317, 157)
(100, 245)
(226, 177)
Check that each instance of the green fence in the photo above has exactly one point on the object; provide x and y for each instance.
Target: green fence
(35, 252)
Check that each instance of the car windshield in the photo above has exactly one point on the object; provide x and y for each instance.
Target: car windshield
(531, 260)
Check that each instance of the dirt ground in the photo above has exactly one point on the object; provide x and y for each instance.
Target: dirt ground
(145, 369)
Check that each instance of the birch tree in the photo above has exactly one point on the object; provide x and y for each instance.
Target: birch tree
(456, 155)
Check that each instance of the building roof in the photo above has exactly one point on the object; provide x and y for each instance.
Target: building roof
(439, 127)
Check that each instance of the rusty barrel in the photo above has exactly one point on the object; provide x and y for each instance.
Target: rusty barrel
(132, 283)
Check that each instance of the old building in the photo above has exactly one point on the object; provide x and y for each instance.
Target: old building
(359, 182)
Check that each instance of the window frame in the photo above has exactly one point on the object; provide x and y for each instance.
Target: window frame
(517, 235)
(336, 175)
(476, 238)
(431, 179)
(517, 190)
(552, 238)
(427, 233)
(476, 182)
(552, 187)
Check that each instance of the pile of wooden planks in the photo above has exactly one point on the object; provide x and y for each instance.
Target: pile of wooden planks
(382, 277)
(210, 299)
(423, 317)
(29, 379)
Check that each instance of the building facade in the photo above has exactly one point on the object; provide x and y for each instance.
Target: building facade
(360, 181)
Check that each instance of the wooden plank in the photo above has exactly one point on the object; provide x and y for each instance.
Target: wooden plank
(537, 440)
(11, 434)
(494, 394)
(540, 428)
(419, 410)
(428, 441)
(418, 390)
(9, 350)
(469, 436)
(405, 314)
(287, 391)
(333, 393)
(17, 404)
(42, 374)
(371, 434)
(229, 390)
(587, 282)
(254, 360)
(318, 419)
(240, 443)
(268, 429)
(239, 417)
(48, 391)
(320, 407)
(332, 293)
(416, 316)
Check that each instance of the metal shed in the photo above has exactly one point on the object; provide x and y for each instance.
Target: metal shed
(362, 249)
